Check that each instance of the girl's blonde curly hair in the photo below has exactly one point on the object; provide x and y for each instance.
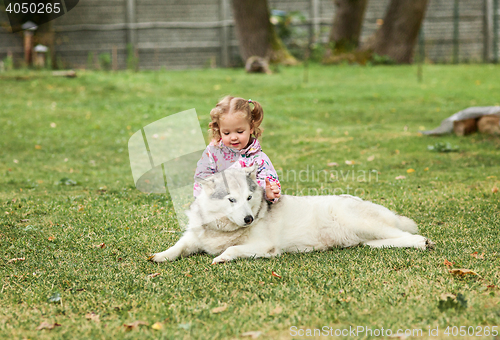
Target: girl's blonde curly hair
(230, 105)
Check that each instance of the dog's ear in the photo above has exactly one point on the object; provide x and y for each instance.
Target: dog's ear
(251, 171)
(208, 184)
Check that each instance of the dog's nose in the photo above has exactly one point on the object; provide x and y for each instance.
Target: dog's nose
(248, 219)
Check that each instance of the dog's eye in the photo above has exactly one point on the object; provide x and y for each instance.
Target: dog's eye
(232, 200)
(249, 197)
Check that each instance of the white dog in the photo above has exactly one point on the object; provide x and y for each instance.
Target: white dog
(232, 218)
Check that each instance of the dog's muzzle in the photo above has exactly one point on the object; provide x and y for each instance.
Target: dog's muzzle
(248, 219)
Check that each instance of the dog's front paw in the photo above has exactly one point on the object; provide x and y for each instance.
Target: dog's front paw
(221, 259)
(167, 255)
(157, 258)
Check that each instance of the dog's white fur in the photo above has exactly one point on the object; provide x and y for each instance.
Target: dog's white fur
(217, 222)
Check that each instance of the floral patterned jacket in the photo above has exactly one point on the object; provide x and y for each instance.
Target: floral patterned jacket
(218, 157)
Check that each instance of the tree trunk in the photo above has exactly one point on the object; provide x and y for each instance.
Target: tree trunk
(397, 36)
(256, 35)
(347, 24)
(251, 19)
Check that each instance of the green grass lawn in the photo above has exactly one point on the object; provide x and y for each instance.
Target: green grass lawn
(86, 244)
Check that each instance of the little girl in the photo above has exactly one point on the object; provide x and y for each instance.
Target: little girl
(234, 130)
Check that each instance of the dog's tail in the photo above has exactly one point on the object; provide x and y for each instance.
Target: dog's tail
(406, 224)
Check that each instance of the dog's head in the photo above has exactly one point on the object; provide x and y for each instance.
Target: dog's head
(232, 194)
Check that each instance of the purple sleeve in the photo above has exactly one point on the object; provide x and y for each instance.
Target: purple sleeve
(205, 167)
(266, 170)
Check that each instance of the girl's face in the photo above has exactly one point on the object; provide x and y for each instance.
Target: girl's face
(235, 130)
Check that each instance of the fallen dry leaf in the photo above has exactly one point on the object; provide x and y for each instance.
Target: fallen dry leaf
(81, 208)
(333, 164)
(494, 190)
(252, 334)
(371, 158)
(401, 177)
(92, 316)
(410, 171)
(476, 256)
(134, 325)
(275, 274)
(276, 310)
(447, 263)
(157, 326)
(219, 309)
(51, 238)
(189, 275)
(154, 275)
(46, 325)
(462, 272)
(350, 162)
(16, 259)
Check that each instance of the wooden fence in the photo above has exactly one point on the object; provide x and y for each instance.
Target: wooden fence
(197, 33)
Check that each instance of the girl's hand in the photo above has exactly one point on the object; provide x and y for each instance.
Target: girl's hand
(272, 190)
